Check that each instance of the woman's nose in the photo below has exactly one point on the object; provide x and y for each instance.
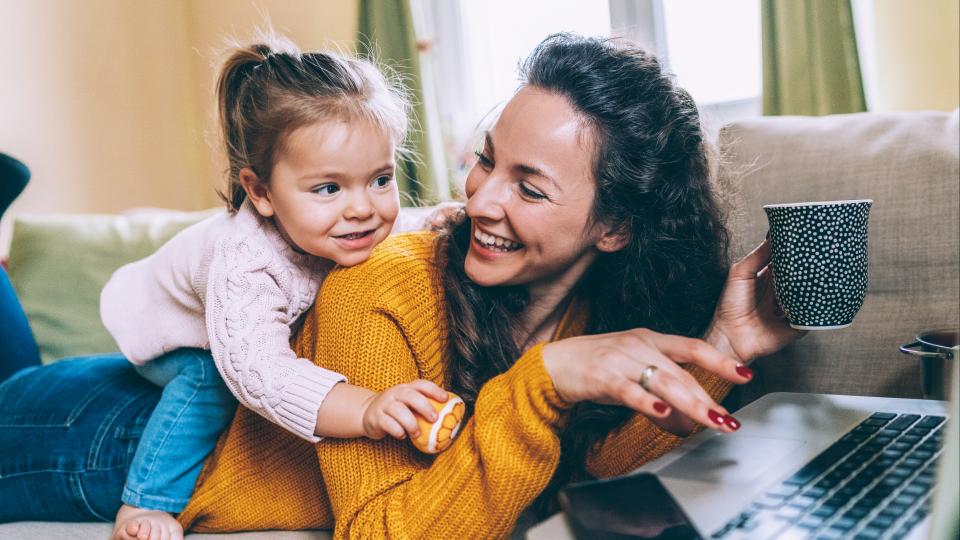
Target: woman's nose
(487, 198)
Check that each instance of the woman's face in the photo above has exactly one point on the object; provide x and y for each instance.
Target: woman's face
(530, 196)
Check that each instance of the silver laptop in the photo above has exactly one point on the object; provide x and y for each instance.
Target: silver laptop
(816, 466)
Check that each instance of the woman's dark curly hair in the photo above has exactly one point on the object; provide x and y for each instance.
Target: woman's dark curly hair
(652, 169)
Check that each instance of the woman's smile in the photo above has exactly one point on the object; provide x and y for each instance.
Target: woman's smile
(493, 244)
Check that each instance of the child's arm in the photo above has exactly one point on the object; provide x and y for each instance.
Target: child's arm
(247, 318)
(351, 411)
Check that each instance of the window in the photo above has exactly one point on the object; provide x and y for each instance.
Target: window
(712, 47)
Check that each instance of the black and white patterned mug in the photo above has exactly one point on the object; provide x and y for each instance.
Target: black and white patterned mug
(819, 261)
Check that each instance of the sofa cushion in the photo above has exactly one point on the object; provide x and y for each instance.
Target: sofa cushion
(908, 164)
(59, 263)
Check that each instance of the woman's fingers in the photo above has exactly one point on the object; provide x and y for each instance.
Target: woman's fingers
(750, 265)
(685, 398)
(696, 351)
(653, 366)
(638, 399)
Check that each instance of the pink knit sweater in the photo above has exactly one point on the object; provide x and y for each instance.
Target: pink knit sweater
(230, 284)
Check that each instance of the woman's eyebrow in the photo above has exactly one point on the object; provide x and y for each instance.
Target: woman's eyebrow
(487, 141)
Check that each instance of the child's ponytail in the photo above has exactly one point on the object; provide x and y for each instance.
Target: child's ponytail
(236, 71)
(268, 90)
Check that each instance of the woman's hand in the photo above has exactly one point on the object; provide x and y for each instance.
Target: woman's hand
(748, 322)
(610, 369)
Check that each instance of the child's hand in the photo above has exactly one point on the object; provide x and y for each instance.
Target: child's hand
(442, 213)
(391, 412)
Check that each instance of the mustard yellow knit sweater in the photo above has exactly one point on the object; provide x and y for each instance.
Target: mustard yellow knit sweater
(382, 323)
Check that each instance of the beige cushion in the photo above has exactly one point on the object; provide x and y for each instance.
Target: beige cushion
(908, 164)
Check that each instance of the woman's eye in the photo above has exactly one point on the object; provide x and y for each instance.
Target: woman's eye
(382, 181)
(483, 160)
(326, 189)
(531, 193)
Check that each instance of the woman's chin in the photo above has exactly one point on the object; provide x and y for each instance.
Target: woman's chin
(483, 273)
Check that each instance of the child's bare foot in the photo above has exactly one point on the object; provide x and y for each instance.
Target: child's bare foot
(140, 524)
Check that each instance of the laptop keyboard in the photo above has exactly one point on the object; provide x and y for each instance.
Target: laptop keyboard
(874, 483)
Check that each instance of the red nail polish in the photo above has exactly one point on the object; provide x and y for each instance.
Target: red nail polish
(732, 422)
(744, 371)
(715, 416)
(660, 407)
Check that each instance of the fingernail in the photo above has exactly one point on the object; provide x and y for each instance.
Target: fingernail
(660, 407)
(433, 417)
(732, 422)
(716, 417)
(744, 371)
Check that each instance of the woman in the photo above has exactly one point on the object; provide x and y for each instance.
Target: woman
(589, 214)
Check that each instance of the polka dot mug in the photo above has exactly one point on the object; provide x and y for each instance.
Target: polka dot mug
(819, 261)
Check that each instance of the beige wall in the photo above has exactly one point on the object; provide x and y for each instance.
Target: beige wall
(110, 102)
(917, 54)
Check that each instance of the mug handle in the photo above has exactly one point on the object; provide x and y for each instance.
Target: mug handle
(909, 349)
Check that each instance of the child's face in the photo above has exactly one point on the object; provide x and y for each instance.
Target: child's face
(332, 192)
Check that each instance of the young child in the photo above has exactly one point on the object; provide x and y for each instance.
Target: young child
(311, 140)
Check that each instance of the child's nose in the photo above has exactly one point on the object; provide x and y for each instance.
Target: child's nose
(358, 207)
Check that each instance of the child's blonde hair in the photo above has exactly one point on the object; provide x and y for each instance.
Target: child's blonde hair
(267, 90)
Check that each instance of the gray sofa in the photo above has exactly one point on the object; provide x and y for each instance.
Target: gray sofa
(908, 164)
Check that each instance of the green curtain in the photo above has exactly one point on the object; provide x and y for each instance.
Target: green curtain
(386, 33)
(810, 63)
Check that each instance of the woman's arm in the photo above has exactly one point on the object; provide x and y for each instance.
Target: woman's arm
(503, 458)
(747, 324)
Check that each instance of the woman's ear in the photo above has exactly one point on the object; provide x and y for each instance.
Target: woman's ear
(257, 191)
(613, 239)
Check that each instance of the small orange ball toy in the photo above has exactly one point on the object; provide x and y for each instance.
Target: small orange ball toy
(436, 436)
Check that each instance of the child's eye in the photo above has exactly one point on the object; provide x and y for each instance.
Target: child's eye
(326, 189)
(382, 181)
(531, 193)
(483, 160)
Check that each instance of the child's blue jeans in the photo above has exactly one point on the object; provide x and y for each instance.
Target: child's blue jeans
(195, 407)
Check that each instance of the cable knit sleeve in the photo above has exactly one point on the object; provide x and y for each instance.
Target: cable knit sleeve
(248, 323)
(502, 459)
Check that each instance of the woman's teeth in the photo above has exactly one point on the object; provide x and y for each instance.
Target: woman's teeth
(496, 243)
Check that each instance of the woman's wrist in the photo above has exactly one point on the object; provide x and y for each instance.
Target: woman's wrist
(719, 340)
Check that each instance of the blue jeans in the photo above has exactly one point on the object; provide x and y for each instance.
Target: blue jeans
(18, 349)
(68, 433)
(82, 435)
(196, 406)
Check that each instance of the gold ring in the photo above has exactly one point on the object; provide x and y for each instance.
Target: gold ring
(646, 375)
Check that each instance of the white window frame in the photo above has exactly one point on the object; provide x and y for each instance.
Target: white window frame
(643, 22)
